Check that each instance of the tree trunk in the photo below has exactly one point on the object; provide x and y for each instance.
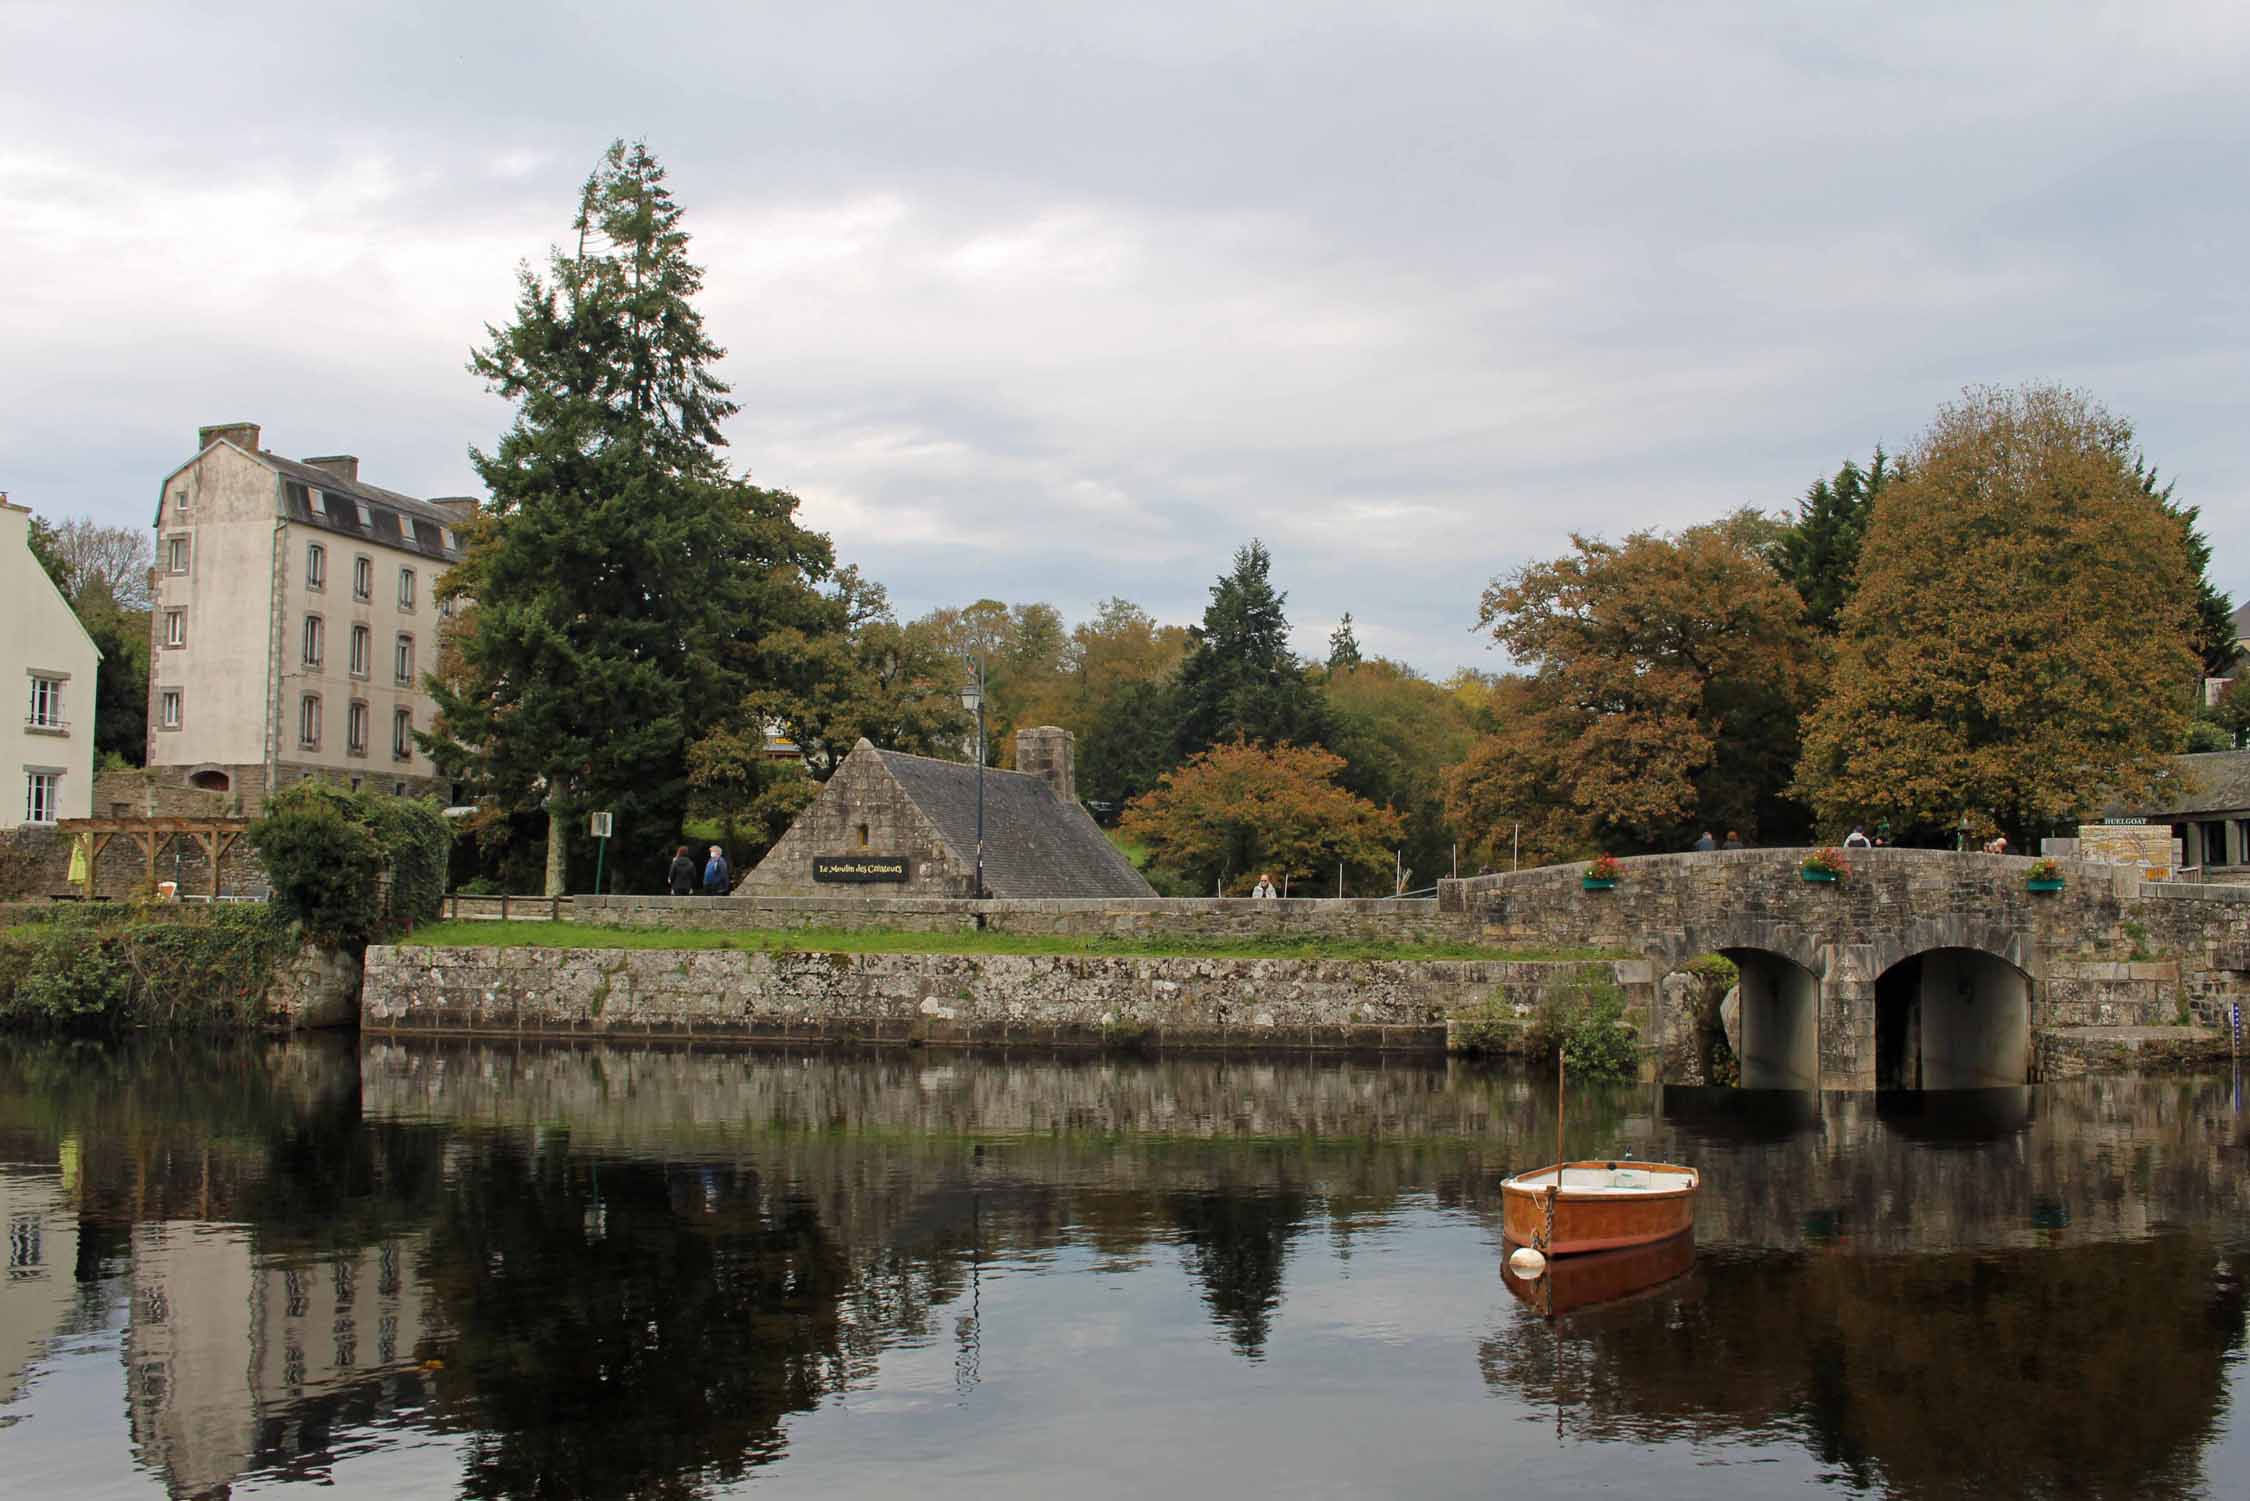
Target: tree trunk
(558, 851)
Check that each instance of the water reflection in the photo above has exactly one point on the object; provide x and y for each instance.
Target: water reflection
(610, 1272)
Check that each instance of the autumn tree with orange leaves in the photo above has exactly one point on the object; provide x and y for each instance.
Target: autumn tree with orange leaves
(2019, 646)
(1666, 678)
(1240, 809)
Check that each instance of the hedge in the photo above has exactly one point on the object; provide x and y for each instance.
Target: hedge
(352, 866)
(142, 966)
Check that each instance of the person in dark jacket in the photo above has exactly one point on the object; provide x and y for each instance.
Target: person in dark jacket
(681, 880)
(718, 876)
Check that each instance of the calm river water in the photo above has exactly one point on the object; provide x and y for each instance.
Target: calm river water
(498, 1272)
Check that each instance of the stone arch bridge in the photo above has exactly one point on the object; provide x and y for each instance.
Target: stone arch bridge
(1921, 969)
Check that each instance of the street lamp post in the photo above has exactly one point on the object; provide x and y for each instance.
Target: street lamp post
(972, 699)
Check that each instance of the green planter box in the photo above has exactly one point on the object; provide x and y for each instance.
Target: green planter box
(1825, 877)
(2046, 887)
(1597, 883)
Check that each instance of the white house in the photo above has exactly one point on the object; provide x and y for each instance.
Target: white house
(48, 752)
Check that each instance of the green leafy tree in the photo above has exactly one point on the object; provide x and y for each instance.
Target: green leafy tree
(1820, 549)
(857, 673)
(1398, 732)
(1239, 809)
(2019, 646)
(1240, 679)
(628, 590)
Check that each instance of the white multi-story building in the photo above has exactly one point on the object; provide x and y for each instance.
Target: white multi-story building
(47, 753)
(293, 619)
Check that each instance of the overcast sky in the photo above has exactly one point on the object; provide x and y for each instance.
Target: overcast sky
(1061, 302)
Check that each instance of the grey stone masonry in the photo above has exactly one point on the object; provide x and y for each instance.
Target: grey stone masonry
(1374, 920)
(2109, 949)
(730, 995)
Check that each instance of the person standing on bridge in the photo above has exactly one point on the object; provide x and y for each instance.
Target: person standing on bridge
(1857, 839)
(1706, 844)
(1734, 840)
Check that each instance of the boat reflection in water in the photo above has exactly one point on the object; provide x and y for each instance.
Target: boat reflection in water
(1570, 1283)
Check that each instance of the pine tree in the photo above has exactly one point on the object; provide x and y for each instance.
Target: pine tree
(1343, 645)
(626, 588)
(1240, 679)
(1820, 551)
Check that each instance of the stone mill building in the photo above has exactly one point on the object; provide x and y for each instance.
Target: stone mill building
(891, 824)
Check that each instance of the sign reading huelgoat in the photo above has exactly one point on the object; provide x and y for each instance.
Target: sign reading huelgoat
(860, 867)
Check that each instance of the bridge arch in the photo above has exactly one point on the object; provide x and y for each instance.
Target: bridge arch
(1779, 970)
(1952, 1017)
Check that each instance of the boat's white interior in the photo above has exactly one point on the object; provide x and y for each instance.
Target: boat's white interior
(1622, 1179)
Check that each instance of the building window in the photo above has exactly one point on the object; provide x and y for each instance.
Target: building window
(46, 704)
(355, 735)
(406, 588)
(42, 796)
(308, 720)
(863, 836)
(398, 789)
(445, 608)
(402, 733)
(363, 647)
(179, 500)
(176, 554)
(363, 578)
(403, 661)
(316, 566)
(175, 627)
(211, 780)
(315, 638)
(168, 709)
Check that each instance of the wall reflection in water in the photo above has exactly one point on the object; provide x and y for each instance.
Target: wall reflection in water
(620, 1272)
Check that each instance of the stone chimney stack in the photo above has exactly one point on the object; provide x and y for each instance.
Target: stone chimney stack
(462, 508)
(1050, 752)
(243, 435)
(343, 465)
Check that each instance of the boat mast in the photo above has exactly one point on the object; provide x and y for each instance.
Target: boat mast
(1560, 1156)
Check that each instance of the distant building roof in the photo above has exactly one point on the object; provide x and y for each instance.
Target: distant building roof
(1035, 842)
(2197, 786)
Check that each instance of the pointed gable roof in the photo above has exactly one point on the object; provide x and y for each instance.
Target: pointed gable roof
(1036, 843)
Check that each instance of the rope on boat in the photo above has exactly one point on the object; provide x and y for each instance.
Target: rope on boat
(1546, 1236)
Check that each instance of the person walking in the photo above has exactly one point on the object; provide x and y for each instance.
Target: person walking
(1264, 891)
(1734, 840)
(1706, 844)
(680, 880)
(718, 876)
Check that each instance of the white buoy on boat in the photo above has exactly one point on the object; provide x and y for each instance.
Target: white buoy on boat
(1527, 1264)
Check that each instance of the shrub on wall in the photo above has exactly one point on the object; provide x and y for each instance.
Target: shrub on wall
(167, 968)
(351, 865)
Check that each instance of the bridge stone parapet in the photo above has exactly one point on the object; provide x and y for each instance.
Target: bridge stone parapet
(1922, 967)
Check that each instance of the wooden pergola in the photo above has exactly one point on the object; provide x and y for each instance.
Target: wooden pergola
(214, 836)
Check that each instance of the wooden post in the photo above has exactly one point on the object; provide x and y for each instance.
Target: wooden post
(503, 906)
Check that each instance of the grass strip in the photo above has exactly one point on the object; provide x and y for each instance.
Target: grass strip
(576, 935)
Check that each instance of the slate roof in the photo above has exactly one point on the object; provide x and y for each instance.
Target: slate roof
(1036, 844)
(2198, 785)
(393, 519)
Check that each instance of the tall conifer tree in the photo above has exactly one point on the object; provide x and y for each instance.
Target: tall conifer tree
(1240, 679)
(626, 587)
(1820, 551)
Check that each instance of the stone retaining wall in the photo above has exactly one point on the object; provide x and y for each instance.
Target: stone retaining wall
(1050, 999)
(1412, 921)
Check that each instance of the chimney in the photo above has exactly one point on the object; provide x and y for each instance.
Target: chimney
(462, 508)
(243, 435)
(343, 465)
(1049, 752)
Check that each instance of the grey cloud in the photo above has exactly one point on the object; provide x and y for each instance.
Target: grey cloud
(1044, 302)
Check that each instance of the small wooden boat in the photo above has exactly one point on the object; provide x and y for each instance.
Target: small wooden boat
(1603, 1276)
(1597, 1206)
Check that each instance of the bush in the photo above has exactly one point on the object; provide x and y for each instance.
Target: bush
(1585, 1022)
(169, 968)
(352, 866)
